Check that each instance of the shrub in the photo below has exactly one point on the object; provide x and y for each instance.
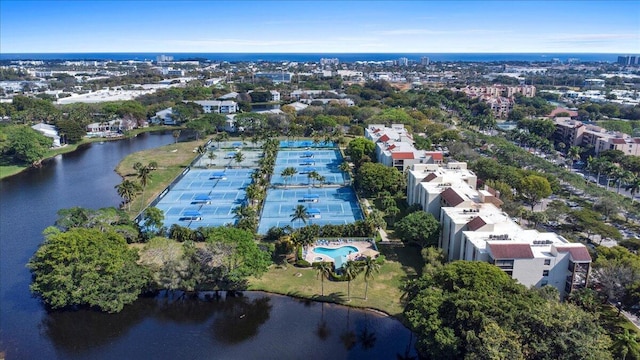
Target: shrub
(303, 263)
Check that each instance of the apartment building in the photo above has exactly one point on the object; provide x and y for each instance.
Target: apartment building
(531, 257)
(435, 186)
(474, 228)
(218, 106)
(575, 133)
(394, 147)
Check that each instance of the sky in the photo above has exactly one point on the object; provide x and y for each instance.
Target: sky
(320, 26)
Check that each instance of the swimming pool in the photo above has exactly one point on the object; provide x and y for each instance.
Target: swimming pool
(337, 252)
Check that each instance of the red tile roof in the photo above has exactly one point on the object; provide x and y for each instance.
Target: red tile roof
(376, 131)
(636, 140)
(402, 155)
(391, 147)
(384, 138)
(578, 253)
(476, 223)
(451, 197)
(429, 177)
(435, 155)
(618, 141)
(510, 251)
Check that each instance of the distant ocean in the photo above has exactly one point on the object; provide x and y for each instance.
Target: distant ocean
(311, 57)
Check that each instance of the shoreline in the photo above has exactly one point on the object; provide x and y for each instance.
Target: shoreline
(12, 170)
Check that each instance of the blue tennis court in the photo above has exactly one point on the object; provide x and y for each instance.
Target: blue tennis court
(205, 198)
(325, 162)
(288, 144)
(324, 205)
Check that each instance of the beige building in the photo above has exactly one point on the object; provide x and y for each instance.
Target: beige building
(474, 228)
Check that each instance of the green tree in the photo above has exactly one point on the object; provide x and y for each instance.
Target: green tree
(153, 219)
(300, 213)
(86, 267)
(534, 188)
(370, 267)
(127, 190)
(627, 343)
(27, 145)
(350, 271)
(288, 173)
(238, 157)
(176, 135)
(360, 148)
(144, 176)
(234, 255)
(419, 227)
(374, 178)
(323, 270)
(474, 310)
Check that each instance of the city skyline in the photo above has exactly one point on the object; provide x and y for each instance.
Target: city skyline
(320, 26)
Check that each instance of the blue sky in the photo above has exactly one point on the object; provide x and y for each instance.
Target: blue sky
(320, 26)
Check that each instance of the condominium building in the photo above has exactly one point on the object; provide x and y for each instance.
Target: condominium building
(434, 186)
(394, 147)
(218, 106)
(575, 133)
(474, 228)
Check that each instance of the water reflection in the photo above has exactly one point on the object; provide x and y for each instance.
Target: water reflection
(230, 324)
(240, 318)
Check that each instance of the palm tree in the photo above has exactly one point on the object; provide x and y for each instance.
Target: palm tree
(221, 136)
(144, 176)
(254, 193)
(350, 271)
(300, 213)
(288, 172)
(321, 179)
(625, 176)
(238, 157)
(574, 153)
(176, 135)
(212, 156)
(633, 187)
(346, 168)
(323, 269)
(127, 190)
(312, 175)
(370, 267)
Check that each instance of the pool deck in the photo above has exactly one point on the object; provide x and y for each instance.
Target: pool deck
(365, 248)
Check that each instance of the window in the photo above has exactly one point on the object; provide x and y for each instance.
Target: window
(545, 272)
(544, 282)
(547, 261)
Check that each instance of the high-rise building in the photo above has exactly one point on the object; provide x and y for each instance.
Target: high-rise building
(329, 61)
(424, 60)
(403, 61)
(164, 58)
(629, 60)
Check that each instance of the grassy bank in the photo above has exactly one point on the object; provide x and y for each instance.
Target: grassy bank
(384, 292)
(171, 159)
(7, 169)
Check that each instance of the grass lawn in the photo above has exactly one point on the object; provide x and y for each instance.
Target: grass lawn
(171, 159)
(8, 170)
(615, 324)
(384, 290)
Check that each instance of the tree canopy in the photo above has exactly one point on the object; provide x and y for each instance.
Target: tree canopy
(86, 267)
(420, 227)
(374, 178)
(474, 310)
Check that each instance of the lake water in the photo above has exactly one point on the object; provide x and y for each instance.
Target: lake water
(251, 325)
